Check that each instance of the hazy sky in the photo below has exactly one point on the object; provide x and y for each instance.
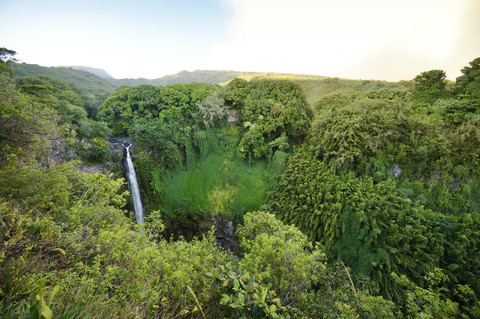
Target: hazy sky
(370, 39)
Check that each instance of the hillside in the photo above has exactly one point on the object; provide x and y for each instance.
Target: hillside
(99, 72)
(207, 76)
(92, 80)
(84, 81)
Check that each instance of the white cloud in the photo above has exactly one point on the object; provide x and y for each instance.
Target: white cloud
(336, 37)
(375, 39)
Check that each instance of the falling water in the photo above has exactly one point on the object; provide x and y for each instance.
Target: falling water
(133, 185)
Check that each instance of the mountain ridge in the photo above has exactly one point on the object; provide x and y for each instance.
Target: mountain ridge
(88, 80)
(89, 83)
(97, 71)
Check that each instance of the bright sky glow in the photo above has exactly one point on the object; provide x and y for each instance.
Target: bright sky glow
(374, 39)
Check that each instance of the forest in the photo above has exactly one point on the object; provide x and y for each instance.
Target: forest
(347, 198)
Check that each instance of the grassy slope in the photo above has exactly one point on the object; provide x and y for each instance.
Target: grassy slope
(315, 89)
(317, 86)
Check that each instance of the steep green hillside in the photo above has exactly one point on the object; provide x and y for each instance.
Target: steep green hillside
(205, 76)
(208, 76)
(84, 81)
(99, 72)
(90, 80)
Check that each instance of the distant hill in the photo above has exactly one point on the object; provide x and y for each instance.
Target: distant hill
(208, 76)
(92, 80)
(98, 72)
(86, 82)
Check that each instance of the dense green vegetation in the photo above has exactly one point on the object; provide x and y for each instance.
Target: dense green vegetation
(194, 163)
(352, 199)
(390, 185)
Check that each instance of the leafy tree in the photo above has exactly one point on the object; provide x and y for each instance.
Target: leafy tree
(98, 152)
(253, 142)
(243, 296)
(67, 102)
(211, 112)
(162, 135)
(348, 130)
(195, 92)
(6, 58)
(279, 254)
(431, 302)
(6, 55)
(468, 84)
(269, 108)
(120, 109)
(235, 93)
(429, 86)
(147, 101)
(93, 102)
(23, 121)
(458, 111)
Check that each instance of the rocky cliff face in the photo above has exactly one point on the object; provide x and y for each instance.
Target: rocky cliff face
(225, 233)
(60, 152)
(117, 148)
(225, 237)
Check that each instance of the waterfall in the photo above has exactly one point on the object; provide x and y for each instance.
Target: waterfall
(133, 186)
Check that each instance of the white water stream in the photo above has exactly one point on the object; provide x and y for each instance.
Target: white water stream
(133, 185)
